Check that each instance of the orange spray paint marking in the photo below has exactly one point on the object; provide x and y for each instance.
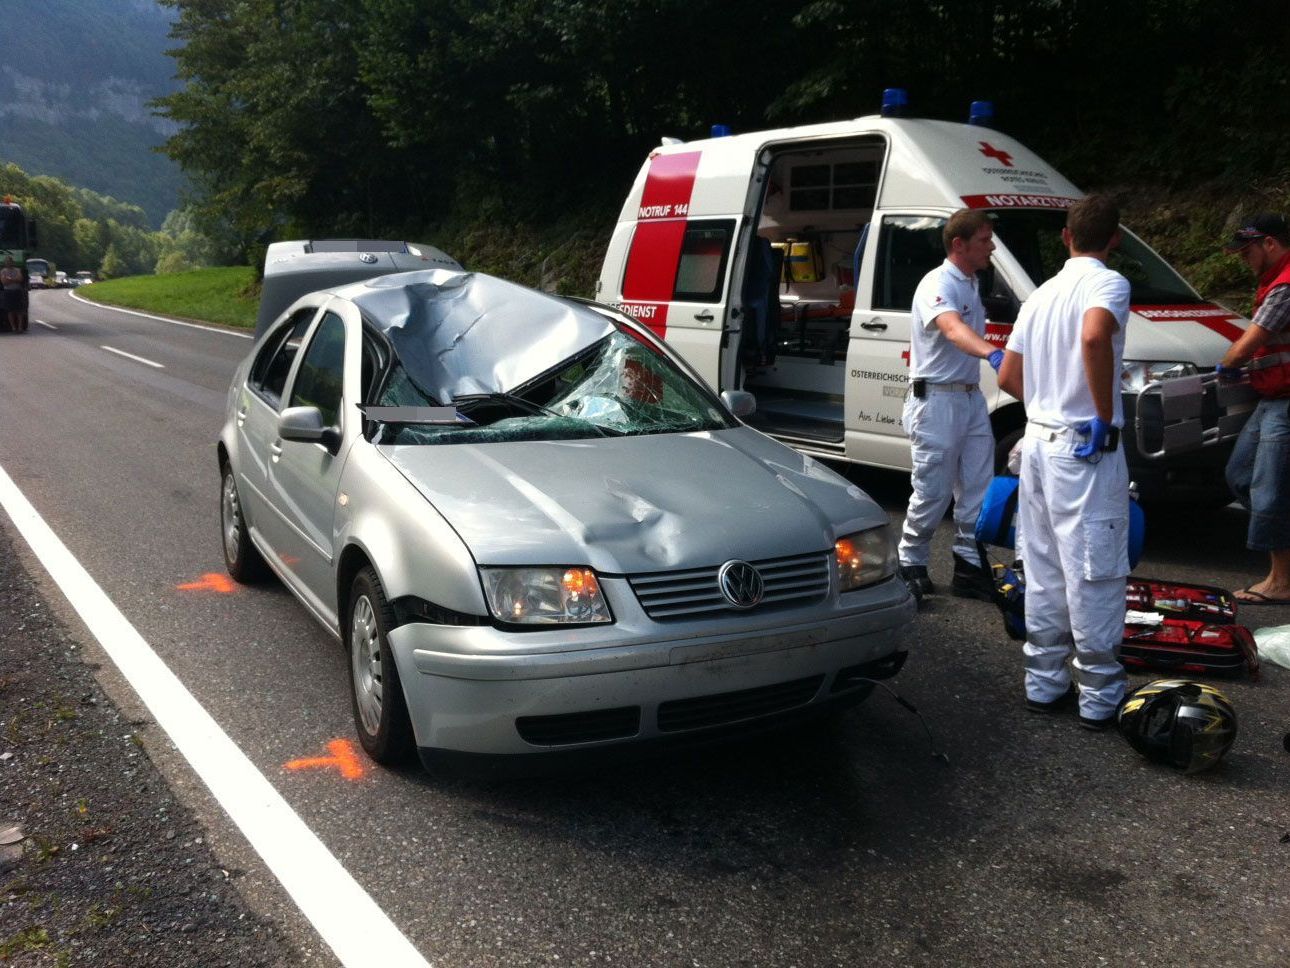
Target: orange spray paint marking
(342, 758)
(212, 581)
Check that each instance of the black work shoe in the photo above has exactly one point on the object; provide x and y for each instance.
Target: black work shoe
(919, 582)
(1097, 725)
(1065, 701)
(971, 581)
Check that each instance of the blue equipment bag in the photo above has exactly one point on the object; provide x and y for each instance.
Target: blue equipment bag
(997, 526)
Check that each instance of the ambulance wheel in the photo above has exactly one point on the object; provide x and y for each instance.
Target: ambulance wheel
(1003, 447)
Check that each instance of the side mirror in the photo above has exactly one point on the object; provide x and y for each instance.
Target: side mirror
(739, 402)
(304, 425)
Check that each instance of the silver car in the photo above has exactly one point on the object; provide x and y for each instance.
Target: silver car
(535, 530)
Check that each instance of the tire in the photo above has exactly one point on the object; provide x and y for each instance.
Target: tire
(1003, 447)
(241, 557)
(380, 709)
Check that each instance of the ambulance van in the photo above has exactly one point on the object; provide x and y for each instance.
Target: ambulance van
(783, 264)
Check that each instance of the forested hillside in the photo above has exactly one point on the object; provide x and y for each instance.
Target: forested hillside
(478, 122)
(76, 81)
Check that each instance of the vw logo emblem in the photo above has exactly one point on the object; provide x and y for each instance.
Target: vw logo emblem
(367, 258)
(741, 584)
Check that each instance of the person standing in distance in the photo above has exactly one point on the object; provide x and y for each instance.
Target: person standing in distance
(945, 415)
(1258, 471)
(1063, 361)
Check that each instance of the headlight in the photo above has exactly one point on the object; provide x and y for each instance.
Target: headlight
(1138, 373)
(864, 558)
(545, 596)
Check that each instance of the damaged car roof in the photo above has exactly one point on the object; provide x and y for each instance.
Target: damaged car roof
(467, 333)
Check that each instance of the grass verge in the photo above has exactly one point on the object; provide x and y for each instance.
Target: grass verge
(227, 295)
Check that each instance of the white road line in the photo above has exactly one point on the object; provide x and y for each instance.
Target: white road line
(346, 917)
(131, 356)
(161, 319)
(45, 324)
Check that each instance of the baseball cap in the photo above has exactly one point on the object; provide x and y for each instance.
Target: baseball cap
(1259, 227)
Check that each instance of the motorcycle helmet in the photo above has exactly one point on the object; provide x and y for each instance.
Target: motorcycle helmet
(1186, 725)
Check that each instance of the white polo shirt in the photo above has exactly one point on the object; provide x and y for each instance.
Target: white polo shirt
(1048, 334)
(931, 356)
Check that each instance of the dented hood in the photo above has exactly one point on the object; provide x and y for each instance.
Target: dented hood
(619, 505)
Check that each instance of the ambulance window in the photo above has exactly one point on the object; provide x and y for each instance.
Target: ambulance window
(824, 187)
(909, 247)
(701, 270)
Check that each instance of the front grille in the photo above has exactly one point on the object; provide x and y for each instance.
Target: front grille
(731, 707)
(587, 727)
(799, 580)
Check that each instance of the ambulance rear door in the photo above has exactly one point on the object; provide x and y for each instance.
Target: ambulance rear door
(675, 276)
(901, 248)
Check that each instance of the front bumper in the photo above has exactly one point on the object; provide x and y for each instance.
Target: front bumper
(483, 690)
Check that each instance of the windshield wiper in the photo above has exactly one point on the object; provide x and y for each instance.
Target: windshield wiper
(534, 408)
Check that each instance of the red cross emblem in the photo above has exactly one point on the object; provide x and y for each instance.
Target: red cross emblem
(990, 151)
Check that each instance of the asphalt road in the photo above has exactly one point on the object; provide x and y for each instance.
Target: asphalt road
(843, 844)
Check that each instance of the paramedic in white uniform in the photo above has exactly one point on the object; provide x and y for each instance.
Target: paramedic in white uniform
(1064, 360)
(945, 414)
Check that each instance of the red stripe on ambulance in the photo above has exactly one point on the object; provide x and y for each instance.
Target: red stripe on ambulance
(1212, 317)
(1003, 200)
(650, 277)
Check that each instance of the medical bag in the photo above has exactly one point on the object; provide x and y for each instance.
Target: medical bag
(1172, 626)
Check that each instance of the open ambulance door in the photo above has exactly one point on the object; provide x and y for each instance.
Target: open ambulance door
(675, 282)
(901, 248)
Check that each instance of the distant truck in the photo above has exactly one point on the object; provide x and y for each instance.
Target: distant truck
(38, 276)
(17, 239)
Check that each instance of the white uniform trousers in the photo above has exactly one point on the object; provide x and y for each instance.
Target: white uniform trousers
(1075, 516)
(953, 450)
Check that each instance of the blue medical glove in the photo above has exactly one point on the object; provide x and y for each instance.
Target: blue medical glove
(1097, 430)
(1229, 374)
(996, 360)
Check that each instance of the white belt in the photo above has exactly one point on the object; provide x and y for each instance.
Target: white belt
(951, 387)
(1038, 431)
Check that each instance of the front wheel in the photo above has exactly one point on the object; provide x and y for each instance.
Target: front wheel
(380, 710)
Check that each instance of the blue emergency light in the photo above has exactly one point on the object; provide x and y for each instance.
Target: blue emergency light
(721, 131)
(895, 101)
(982, 113)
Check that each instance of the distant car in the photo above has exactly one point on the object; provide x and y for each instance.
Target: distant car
(84, 278)
(535, 530)
(61, 281)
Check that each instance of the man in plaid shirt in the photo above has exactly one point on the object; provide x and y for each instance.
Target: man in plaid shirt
(1259, 469)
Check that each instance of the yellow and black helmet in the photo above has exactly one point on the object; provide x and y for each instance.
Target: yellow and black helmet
(1186, 725)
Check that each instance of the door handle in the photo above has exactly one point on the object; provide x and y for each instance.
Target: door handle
(874, 326)
(241, 416)
(705, 316)
(275, 449)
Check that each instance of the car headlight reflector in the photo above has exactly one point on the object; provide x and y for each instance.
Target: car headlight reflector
(545, 596)
(864, 558)
(1136, 374)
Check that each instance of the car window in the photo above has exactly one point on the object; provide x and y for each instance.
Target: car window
(373, 364)
(321, 378)
(270, 369)
(909, 247)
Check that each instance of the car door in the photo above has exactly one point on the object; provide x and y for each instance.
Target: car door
(260, 399)
(304, 477)
(907, 247)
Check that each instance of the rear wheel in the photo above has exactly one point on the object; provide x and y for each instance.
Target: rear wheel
(380, 710)
(241, 557)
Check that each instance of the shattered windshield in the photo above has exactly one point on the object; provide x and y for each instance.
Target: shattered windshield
(1035, 240)
(618, 386)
